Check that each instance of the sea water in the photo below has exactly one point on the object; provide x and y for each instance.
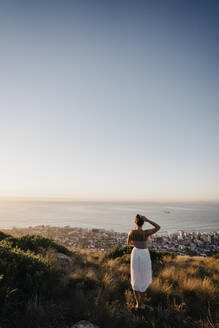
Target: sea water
(117, 216)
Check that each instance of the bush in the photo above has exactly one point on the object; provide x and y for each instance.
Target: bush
(3, 235)
(118, 252)
(23, 273)
(124, 251)
(33, 243)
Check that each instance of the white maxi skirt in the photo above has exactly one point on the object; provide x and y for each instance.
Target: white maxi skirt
(141, 271)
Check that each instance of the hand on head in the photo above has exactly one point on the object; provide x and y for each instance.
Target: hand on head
(142, 216)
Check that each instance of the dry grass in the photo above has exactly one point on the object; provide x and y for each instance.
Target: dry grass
(184, 293)
(185, 275)
(181, 286)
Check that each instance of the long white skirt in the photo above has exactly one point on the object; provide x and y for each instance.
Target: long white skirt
(141, 272)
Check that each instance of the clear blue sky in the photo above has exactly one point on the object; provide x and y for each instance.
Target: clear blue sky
(109, 99)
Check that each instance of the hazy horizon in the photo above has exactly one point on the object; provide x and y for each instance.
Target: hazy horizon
(75, 200)
(112, 101)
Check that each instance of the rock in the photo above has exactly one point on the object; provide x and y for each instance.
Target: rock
(64, 258)
(84, 324)
(65, 262)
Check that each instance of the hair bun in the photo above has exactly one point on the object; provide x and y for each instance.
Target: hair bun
(139, 220)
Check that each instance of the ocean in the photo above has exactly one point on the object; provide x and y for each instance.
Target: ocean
(117, 216)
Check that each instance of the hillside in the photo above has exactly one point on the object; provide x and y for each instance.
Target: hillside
(43, 284)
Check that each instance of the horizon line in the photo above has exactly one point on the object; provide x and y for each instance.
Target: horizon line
(71, 199)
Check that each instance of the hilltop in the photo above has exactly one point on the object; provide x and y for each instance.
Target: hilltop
(44, 284)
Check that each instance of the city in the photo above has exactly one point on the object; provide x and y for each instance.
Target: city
(182, 243)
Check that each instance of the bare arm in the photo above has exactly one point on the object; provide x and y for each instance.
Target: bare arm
(129, 240)
(151, 231)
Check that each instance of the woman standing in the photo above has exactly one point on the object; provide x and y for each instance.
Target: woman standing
(140, 262)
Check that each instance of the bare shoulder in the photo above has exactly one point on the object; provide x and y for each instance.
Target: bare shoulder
(132, 232)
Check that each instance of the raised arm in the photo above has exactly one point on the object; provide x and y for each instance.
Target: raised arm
(151, 231)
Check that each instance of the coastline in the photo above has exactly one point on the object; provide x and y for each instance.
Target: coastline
(181, 242)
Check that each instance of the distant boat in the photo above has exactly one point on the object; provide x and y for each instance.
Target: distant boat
(167, 212)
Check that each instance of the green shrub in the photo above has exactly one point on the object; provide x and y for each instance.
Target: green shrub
(3, 235)
(23, 273)
(125, 250)
(118, 251)
(33, 243)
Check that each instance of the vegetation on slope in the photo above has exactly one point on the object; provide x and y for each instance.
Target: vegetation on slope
(33, 243)
(96, 287)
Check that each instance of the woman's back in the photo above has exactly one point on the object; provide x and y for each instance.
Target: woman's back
(139, 238)
(140, 261)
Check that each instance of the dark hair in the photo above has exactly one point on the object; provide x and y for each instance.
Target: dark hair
(139, 220)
